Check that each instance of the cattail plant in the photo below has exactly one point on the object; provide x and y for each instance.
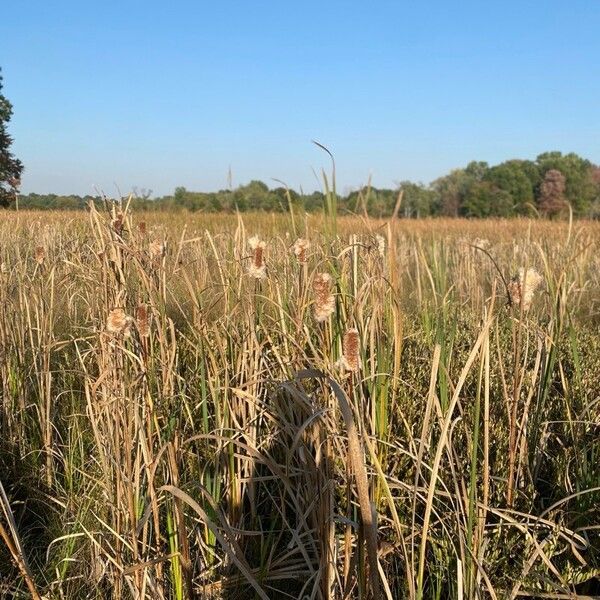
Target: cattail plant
(380, 245)
(521, 290)
(522, 287)
(118, 322)
(301, 247)
(257, 269)
(40, 255)
(118, 222)
(324, 301)
(481, 243)
(350, 359)
(157, 249)
(142, 320)
(211, 454)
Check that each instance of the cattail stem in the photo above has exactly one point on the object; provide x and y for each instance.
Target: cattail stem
(513, 413)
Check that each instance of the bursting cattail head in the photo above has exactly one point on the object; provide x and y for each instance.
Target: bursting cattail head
(118, 323)
(253, 242)
(142, 227)
(522, 287)
(157, 250)
(324, 302)
(380, 245)
(40, 254)
(142, 320)
(118, 222)
(257, 268)
(481, 243)
(301, 247)
(350, 359)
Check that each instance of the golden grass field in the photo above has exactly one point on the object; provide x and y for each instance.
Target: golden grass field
(198, 406)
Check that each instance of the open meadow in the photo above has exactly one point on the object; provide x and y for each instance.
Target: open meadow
(298, 406)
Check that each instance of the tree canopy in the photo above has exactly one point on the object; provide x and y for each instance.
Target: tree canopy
(10, 167)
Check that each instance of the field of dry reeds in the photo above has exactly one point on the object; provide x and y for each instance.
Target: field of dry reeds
(297, 406)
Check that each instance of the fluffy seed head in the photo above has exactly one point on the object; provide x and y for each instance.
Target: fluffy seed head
(301, 247)
(380, 245)
(324, 302)
(522, 287)
(481, 243)
(118, 323)
(254, 241)
(157, 249)
(40, 255)
(257, 268)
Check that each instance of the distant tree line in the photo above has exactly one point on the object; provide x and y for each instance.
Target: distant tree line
(547, 186)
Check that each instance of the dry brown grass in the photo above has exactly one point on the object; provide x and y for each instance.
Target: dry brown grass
(175, 424)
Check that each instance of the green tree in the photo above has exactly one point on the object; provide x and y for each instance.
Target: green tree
(519, 179)
(255, 196)
(286, 195)
(453, 188)
(477, 170)
(179, 195)
(477, 200)
(10, 167)
(314, 201)
(417, 200)
(378, 202)
(595, 205)
(484, 199)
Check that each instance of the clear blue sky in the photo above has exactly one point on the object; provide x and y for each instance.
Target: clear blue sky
(161, 94)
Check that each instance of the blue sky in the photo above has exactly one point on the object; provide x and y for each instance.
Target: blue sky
(161, 94)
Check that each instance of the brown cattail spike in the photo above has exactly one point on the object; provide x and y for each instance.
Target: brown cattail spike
(40, 255)
(350, 360)
(142, 320)
(522, 287)
(118, 223)
(257, 268)
(324, 302)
